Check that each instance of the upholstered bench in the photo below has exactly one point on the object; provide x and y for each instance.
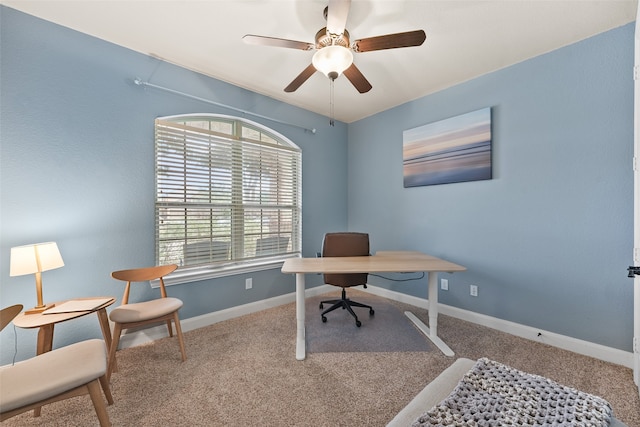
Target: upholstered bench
(438, 390)
(65, 372)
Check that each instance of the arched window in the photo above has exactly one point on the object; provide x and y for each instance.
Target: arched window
(228, 195)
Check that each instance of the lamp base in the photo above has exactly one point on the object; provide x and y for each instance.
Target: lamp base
(38, 310)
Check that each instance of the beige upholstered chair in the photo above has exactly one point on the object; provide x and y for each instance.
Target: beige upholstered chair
(345, 244)
(70, 371)
(164, 309)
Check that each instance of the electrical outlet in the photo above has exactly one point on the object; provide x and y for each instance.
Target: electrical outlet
(444, 284)
(473, 290)
(248, 283)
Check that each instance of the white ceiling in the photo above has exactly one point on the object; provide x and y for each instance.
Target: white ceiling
(465, 39)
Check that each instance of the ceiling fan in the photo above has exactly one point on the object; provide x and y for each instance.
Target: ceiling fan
(334, 49)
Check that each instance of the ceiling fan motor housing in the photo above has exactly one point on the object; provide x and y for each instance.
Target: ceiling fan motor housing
(324, 39)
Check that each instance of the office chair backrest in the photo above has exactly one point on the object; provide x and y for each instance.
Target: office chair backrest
(345, 244)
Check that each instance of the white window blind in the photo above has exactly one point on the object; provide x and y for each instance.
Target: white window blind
(228, 192)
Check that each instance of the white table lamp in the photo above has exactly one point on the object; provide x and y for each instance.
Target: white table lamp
(34, 259)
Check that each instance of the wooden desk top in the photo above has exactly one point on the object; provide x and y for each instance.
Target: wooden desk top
(381, 262)
(37, 320)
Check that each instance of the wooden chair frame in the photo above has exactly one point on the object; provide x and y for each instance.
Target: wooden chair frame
(143, 275)
(92, 388)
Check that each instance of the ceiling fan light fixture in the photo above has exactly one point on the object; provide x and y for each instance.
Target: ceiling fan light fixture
(332, 60)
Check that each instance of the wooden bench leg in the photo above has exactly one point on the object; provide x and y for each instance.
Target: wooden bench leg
(98, 403)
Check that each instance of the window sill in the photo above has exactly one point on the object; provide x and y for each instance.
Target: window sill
(188, 275)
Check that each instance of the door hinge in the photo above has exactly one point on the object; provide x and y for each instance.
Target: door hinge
(634, 164)
(636, 72)
(633, 272)
(635, 345)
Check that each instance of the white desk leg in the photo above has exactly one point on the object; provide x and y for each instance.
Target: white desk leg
(432, 331)
(433, 303)
(300, 317)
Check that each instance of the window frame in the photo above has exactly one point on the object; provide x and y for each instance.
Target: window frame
(243, 263)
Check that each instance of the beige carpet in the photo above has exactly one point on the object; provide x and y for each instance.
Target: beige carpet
(243, 372)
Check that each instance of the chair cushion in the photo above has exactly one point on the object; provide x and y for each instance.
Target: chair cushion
(146, 310)
(51, 373)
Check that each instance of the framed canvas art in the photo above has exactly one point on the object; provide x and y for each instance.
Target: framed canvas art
(457, 149)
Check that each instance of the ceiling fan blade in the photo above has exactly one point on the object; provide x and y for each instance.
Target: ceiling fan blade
(273, 41)
(390, 41)
(357, 79)
(337, 13)
(302, 77)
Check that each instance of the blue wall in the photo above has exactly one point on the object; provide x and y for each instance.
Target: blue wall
(77, 167)
(548, 239)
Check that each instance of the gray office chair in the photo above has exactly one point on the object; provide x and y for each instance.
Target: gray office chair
(345, 244)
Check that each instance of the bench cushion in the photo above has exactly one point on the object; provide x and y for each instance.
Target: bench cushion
(51, 373)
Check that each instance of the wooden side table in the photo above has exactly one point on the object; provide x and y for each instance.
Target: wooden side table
(46, 322)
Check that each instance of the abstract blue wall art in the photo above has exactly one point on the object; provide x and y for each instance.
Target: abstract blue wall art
(457, 149)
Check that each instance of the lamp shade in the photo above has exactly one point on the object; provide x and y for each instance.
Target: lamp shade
(35, 258)
(332, 60)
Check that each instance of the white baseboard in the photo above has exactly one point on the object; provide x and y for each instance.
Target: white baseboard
(151, 334)
(597, 351)
(586, 348)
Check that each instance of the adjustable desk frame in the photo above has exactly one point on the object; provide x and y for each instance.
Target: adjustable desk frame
(381, 262)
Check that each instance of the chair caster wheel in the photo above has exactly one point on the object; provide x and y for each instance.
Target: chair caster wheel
(371, 312)
(358, 323)
(321, 306)
(324, 319)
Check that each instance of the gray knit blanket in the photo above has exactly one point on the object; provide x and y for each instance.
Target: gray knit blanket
(493, 394)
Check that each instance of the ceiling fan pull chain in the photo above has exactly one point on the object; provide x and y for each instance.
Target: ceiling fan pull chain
(331, 106)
